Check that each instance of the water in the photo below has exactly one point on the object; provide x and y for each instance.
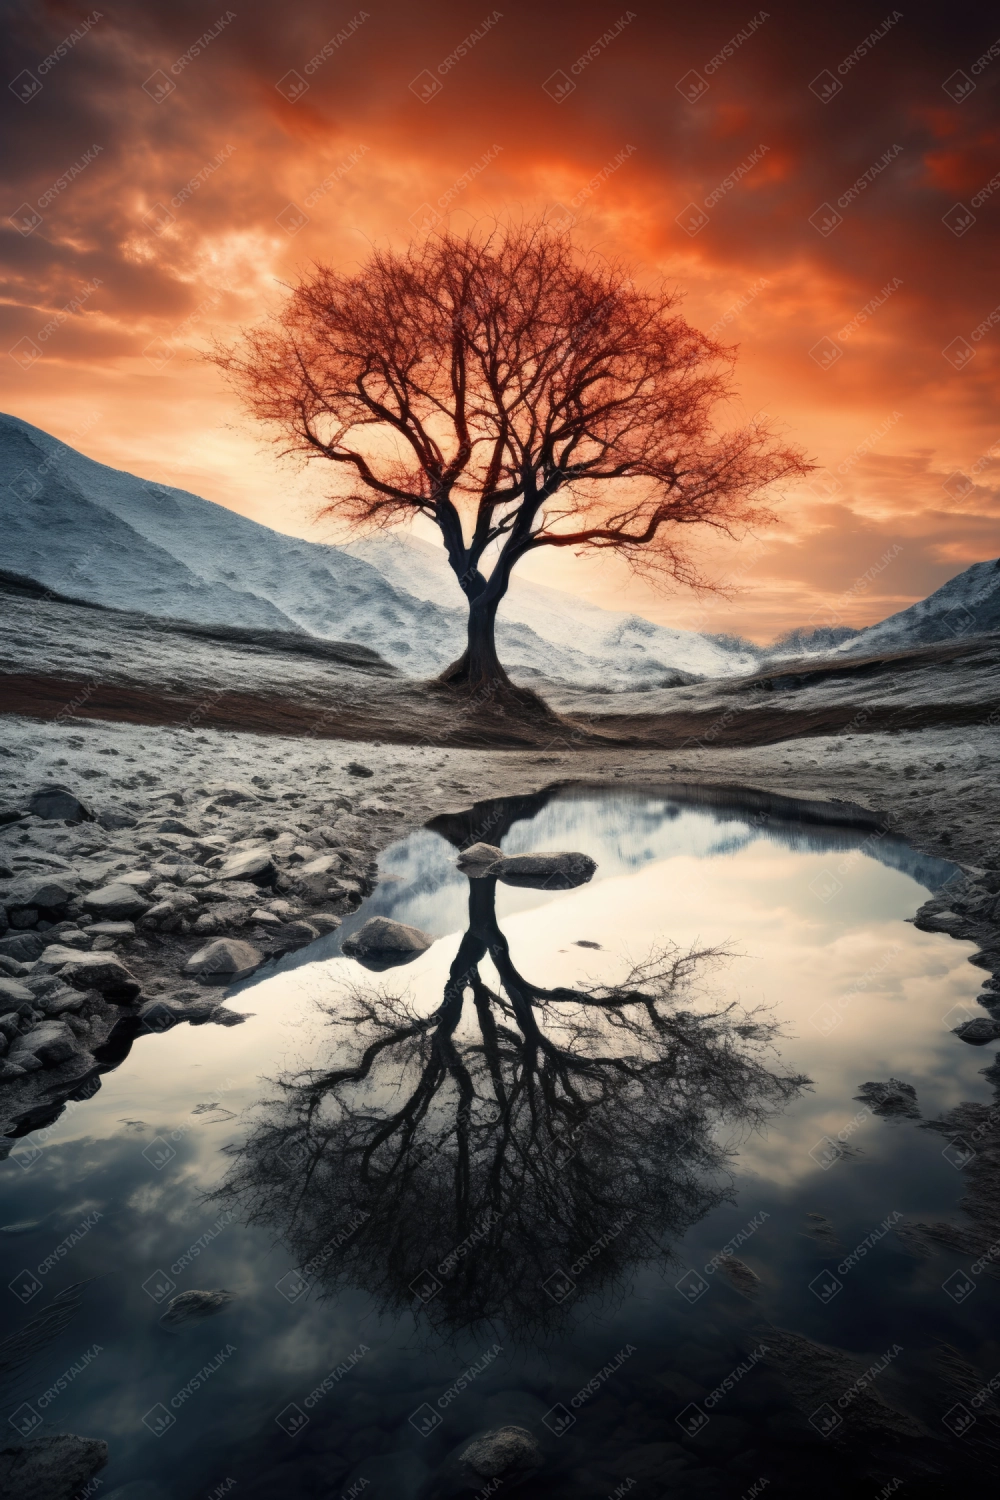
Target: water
(478, 1231)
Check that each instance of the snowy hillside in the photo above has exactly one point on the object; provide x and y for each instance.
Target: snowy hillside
(966, 605)
(624, 645)
(101, 534)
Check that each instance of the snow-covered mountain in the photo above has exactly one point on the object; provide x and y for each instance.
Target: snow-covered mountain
(101, 534)
(966, 605)
(96, 533)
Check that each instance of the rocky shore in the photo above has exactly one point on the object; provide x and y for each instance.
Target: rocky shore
(142, 868)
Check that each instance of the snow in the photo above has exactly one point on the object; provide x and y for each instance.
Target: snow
(104, 535)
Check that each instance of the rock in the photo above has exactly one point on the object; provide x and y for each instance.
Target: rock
(119, 931)
(325, 921)
(10, 815)
(174, 825)
(104, 972)
(978, 1032)
(891, 1098)
(56, 955)
(192, 1306)
(139, 880)
(558, 871)
(265, 918)
(321, 866)
(13, 994)
(505, 1454)
(11, 967)
(25, 946)
(478, 857)
(355, 768)
(51, 1042)
(231, 795)
(115, 902)
(55, 802)
(112, 818)
(222, 961)
(54, 1467)
(233, 890)
(44, 892)
(383, 943)
(10, 1071)
(296, 934)
(254, 865)
(24, 918)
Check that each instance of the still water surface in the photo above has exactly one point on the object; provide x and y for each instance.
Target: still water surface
(518, 1213)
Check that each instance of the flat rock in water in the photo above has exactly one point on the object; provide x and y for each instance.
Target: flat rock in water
(55, 802)
(890, 1098)
(383, 943)
(193, 1306)
(478, 857)
(978, 1032)
(224, 960)
(55, 1467)
(115, 902)
(253, 865)
(558, 871)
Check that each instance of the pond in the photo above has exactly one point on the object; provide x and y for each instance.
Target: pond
(599, 1164)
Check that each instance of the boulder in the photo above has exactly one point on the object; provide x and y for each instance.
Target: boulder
(115, 902)
(253, 865)
(55, 802)
(891, 1098)
(558, 871)
(321, 866)
(382, 943)
(355, 768)
(478, 857)
(13, 994)
(10, 815)
(231, 795)
(193, 1306)
(24, 946)
(10, 968)
(56, 955)
(978, 1032)
(296, 934)
(44, 892)
(104, 972)
(222, 961)
(50, 1042)
(54, 1467)
(112, 818)
(139, 880)
(174, 825)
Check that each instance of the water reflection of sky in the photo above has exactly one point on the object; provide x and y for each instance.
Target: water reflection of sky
(817, 919)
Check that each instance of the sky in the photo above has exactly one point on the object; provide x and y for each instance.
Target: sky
(823, 188)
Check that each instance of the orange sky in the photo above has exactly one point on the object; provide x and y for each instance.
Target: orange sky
(273, 136)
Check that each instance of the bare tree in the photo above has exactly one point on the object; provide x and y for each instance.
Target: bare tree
(518, 394)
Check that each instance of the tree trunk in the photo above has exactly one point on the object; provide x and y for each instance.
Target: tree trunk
(478, 668)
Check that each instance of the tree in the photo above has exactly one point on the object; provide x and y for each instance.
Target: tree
(520, 395)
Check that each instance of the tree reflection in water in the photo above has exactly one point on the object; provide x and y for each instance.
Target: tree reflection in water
(516, 1147)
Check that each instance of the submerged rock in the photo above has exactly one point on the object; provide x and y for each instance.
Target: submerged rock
(192, 1306)
(891, 1098)
(558, 871)
(978, 1032)
(224, 960)
(55, 1467)
(505, 1455)
(383, 943)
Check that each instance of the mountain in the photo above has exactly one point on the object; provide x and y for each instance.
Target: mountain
(966, 605)
(100, 534)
